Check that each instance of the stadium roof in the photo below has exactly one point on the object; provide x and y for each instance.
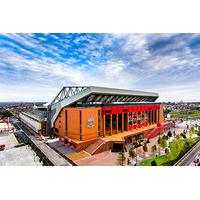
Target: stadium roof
(36, 114)
(84, 95)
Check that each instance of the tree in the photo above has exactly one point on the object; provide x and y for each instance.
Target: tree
(177, 145)
(121, 159)
(183, 135)
(186, 145)
(167, 111)
(153, 163)
(145, 148)
(154, 149)
(163, 143)
(177, 137)
(158, 141)
(132, 153)
(140, 138)
(165, 137)
(166, 151)
(7, 113)
(169, 134)
(174, 133)
(192, 129)
(134, 140)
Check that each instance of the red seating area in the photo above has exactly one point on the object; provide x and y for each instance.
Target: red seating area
(160, 127)
(138, 126)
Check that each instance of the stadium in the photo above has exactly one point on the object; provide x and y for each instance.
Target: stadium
(96, 119)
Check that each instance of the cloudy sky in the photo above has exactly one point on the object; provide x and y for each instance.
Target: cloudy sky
(34, 67)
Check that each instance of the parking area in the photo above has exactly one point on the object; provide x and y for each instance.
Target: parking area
(21, 156)
(16, 156)
(8, 139)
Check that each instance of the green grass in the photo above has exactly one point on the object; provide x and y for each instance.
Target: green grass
(176, 147)
(185, 114)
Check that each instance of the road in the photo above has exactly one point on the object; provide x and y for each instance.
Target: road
(188, 158)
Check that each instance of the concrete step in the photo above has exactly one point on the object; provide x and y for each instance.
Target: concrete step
(93, 147)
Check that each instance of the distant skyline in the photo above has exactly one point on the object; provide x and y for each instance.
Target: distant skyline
(34, 67)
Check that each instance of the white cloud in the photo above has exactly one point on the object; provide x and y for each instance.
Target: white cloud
(120, 60)
(186, 92)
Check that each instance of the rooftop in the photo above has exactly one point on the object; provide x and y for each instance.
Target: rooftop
(36, 114)
(86, 95)
(104, 95)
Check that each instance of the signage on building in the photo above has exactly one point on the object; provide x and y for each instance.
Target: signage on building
(90, 122)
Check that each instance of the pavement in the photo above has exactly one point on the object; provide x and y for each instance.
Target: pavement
(106, 158)
(183, 126)
(78, 155)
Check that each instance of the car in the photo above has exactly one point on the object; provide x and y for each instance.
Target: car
(2, 147)
(196, 160)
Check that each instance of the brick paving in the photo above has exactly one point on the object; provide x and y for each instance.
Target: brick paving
(106, 158)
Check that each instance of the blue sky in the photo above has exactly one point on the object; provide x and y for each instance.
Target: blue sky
(34, 67)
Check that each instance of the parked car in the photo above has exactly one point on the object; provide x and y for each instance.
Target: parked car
(2, 147)
(196, 160)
